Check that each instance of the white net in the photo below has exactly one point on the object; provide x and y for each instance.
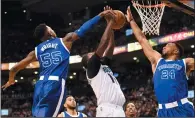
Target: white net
(151, 15)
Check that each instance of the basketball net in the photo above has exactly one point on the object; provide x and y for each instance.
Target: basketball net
(151, 15)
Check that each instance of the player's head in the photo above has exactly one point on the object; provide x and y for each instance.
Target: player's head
(85, 59)
(171, 49)
(70, 102)
(130, 109)
(44, 32)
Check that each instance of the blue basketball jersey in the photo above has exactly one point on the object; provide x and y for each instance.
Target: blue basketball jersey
(79, 115)
(170, 81)
(53, 57)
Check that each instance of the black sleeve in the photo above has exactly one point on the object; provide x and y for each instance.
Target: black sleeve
(106, 61)
(93, 66)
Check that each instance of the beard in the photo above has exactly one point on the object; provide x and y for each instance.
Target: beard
(164, 55)
(72, 108)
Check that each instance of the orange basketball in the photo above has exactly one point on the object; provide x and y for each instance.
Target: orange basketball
(120, 20)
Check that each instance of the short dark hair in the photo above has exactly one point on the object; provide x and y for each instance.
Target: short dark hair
(125, 105)
(64, 108)
(84, 60)
(40, 31)
(68, 96)
(181, 49)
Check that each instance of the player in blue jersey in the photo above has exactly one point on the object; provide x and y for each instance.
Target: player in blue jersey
(70, 108)
(53, 56)
(170, 75)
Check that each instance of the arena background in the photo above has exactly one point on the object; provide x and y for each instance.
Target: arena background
(131, 68)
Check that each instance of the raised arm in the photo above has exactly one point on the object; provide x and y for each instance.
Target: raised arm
(105, 38)
(189, 65)
(151, 54)
(21, 65)
(110, 48)
(73, 36)
(93, 64)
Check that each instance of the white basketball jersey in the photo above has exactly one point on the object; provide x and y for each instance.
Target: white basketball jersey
(106, 87)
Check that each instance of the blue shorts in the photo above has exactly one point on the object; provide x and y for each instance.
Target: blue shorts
(185, 110)
(48, 99)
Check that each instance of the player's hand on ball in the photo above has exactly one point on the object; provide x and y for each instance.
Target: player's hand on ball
(129, 16)
(107, 12)
(9, 83)
(111, 15)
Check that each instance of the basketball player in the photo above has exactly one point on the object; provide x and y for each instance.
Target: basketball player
(170, 75)
(70, 106)
(130, 110)
(53, 56)
(110, 97)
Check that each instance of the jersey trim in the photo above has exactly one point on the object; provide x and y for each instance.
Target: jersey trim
(84, 115)
(168, 60)
(157, 64)
(78, 114)
(63, 114)
(60, 99)
(36, 52)
(184, 62)
(64, 45)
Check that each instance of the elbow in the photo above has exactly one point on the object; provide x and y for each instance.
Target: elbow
(13, 70)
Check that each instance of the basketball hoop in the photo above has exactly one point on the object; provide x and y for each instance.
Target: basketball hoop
(151, 15)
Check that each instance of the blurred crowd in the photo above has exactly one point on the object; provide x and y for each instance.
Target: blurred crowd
(17, 37)
(17, 42)
(143, 98)
(19, 102)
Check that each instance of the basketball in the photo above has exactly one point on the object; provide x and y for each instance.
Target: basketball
(120, 20)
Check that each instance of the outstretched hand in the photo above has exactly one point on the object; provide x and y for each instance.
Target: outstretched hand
(9, 83)
(129, 15)
(111, 15)
(108, 13)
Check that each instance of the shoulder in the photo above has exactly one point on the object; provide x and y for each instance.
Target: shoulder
(93, 66)
(188, 60)
(159, 61)
(61, 114)
(70, 37)
(84, 115)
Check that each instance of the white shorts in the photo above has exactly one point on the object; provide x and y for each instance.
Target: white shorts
(109, 110)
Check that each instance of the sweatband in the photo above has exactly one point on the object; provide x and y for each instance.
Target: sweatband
(87, 26)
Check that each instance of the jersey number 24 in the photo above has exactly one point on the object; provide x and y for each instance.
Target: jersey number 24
(168, 74)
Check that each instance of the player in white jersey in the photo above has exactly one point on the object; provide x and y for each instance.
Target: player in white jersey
(110, 97)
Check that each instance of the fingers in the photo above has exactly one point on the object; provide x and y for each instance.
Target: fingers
(4, 86)
(127, 17)
(107, 8)
(128, 8)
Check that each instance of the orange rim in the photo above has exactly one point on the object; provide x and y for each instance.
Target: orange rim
(150, 6)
